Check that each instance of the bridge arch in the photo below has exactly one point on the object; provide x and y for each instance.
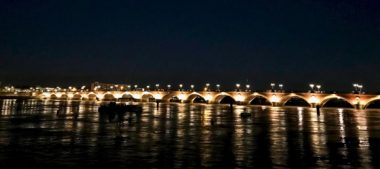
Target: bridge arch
(181, 96)
(148, 97)
(64, 97)
(224, 98)
(336, 101)
(258, 99)
(195, 98)
(92, 96)
(77, 96)
(295, 100)
(108, 97)
(373, 103)
(126, 97)
(174, 99)
(53, 97)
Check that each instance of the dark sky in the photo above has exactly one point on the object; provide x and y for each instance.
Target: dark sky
(332, 42)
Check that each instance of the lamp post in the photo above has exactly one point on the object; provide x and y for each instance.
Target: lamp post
(180, 87)
(147, 88)
(135, 86)
(169, 86)
(356, 87)
(319, 88)
(281, 87)
(360, 88)
(192, 87)
(217, 87)
(207, 86)
(247, 87)
(272, 85)
(157, 86)
(312, 87)
(237, 87)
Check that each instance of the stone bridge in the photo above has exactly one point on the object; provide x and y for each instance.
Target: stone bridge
(358, 101)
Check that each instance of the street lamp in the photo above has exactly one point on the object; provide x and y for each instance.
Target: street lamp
(312, 87)
(281, 86)
(180, 87)
(207, 87)
(237, 87)
(357, 87)
(272, 85)
(157, 86)
(135, 87)
(360, 88)
(319, 88)
(192, 87)
(218, 87)
(169, 86)
(147, 88)
(247, 86)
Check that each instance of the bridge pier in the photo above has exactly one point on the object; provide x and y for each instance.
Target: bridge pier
(358, 106)
(314, 105)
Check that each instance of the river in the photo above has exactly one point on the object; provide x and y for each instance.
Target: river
(177, 135)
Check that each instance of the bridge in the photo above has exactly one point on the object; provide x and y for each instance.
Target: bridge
(305, 99)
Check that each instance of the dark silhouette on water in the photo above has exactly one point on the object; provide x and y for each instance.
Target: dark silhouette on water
(318, 110)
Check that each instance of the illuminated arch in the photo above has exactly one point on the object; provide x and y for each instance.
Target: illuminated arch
(148, 97)
(303, 100)
(256, 96)
(332, 97)
(174, 99)
(219, 98)
(92, 96)
(371, 101)
(180, 95)
(77, 96)
(64, 97)
(166, 98)
(53, 97)
(108, 97)
(127, 96)
(193, 96)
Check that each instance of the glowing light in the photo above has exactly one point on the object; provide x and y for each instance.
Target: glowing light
(208, 97)
(58, 95)
(118, 95)
(319, 87)
(314, 100)
(70, 95)
(274, 99)
(157, 96)
(181, 96)
(240, 98)
(192, 86)
(357, 100)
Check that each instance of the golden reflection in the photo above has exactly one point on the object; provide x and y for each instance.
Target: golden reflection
(300, 119)
(341, 125)
(278, 136)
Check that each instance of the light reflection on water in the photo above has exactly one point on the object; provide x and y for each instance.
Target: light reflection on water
(186, 136)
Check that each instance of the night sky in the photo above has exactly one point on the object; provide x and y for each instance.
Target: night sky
(57, 43)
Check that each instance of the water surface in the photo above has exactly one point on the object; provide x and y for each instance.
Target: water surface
(177, 135)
